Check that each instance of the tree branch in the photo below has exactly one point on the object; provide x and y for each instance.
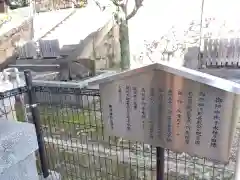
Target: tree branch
(98, 5)
(116, 3)
(138, 4)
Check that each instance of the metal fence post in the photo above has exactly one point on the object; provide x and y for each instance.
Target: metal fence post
(160, 163)
(36, 121)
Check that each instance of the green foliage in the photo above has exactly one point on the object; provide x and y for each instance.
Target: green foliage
(76, 121)
(83, 120)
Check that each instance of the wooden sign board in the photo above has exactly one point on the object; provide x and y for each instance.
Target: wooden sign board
(174, 108)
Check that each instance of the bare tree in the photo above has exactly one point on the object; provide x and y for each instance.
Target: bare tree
(170, 43)
(122, 16)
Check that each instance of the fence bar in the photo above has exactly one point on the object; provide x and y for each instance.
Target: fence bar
(160, 163)
(36, 121)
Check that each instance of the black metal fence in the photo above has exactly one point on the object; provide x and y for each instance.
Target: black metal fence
(77, 148)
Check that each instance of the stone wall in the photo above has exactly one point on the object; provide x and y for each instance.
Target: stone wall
(9, 41)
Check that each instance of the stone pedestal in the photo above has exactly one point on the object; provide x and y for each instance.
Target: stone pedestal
(18, 144)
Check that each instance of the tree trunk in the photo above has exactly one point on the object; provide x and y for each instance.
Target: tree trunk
(124, 45)
(116, 47)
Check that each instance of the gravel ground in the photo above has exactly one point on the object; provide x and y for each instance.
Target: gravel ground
(235, 145)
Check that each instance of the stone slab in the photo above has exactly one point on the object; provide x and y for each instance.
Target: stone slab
(17, 141)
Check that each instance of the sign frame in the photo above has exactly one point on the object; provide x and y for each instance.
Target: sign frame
(185, 73)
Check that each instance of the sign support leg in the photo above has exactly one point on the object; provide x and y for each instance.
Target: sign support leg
(160, 163)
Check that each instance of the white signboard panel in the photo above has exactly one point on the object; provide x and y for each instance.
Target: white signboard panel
(167, 110)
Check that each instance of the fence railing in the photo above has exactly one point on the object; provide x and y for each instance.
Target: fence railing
(221, 53)
(77, 148)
